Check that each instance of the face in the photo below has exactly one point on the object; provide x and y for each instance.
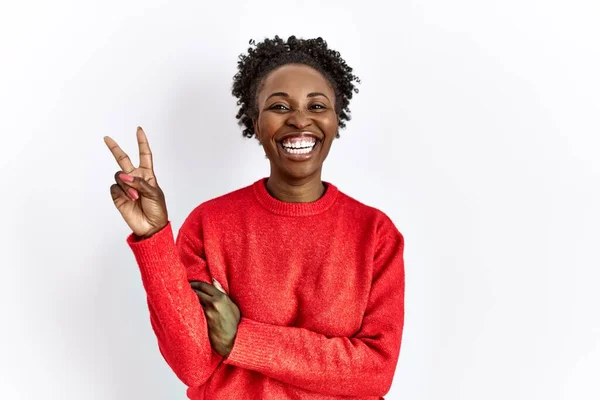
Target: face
(296, 121)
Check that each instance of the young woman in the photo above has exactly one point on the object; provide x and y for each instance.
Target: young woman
(287, 288)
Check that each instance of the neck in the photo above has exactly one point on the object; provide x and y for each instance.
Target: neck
(304, 190)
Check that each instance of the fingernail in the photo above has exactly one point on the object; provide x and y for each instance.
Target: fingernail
(126, 178)
(139, 128)
(133, 193)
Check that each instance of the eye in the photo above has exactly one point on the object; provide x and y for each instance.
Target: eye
(318, 107)
(278, 107)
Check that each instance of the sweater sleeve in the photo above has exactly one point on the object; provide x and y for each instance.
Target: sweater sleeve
(176, 315)
(361, 365)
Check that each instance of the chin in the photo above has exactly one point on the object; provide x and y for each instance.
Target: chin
(298, 172)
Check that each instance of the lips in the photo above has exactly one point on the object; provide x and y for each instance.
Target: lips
(300, 149)
(299, 146)
(299, 135)
(302, 142)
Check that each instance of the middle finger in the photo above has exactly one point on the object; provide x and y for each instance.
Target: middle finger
(203, 297)
(122, 158)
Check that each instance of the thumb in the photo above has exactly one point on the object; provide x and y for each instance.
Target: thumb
(218, 285)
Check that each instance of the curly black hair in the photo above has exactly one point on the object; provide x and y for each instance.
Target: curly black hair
(270, 54)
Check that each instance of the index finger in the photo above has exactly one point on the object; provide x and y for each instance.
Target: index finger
(145, 152)
(122, 158)
(205, 288)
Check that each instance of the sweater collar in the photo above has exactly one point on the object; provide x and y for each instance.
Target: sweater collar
(294, 209)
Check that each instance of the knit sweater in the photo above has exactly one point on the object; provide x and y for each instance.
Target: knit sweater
(319, 285)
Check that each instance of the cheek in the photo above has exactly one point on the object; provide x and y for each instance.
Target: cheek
(268, 125)
(329, 123)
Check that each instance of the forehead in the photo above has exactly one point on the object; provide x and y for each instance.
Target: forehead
(296, 80)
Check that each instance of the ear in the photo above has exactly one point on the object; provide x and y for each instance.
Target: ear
(256, 132)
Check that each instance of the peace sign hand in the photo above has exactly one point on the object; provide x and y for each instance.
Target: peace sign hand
(136, 193)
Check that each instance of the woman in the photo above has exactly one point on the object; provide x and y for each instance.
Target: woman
(307, 293)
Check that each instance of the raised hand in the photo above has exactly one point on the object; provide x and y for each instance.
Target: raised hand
(136, 193)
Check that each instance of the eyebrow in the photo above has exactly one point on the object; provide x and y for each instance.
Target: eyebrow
(284, 94)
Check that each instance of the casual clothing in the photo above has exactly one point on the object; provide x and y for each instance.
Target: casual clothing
(319, 285)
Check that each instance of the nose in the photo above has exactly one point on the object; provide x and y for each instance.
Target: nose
(299, 120)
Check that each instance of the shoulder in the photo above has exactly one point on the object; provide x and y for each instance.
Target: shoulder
(380, 221)
(222, 205)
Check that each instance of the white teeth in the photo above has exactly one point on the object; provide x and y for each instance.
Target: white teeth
(304, 146)
(299, 150)
(299, 144)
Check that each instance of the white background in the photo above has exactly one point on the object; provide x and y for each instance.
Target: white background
(476, 129)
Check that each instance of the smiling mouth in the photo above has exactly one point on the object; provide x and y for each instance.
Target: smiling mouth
(299, 146)
(299, 150)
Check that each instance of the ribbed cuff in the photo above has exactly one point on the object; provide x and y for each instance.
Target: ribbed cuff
(253, 347)
(157, 256)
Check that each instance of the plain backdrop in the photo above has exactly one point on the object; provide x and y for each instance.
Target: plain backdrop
(476, 130)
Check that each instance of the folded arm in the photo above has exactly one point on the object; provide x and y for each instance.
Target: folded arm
(176, 315)
(361, 365)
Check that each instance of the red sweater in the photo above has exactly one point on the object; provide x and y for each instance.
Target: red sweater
(320, 288)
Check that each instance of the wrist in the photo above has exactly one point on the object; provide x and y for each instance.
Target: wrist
(227, 351)
(150, 233)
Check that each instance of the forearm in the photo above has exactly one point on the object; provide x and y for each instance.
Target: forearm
(176, 315)
(361, 365)
(356, 366)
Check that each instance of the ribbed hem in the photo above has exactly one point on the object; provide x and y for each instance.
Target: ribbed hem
(294, 209)
(253, 346)
(157, 256)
